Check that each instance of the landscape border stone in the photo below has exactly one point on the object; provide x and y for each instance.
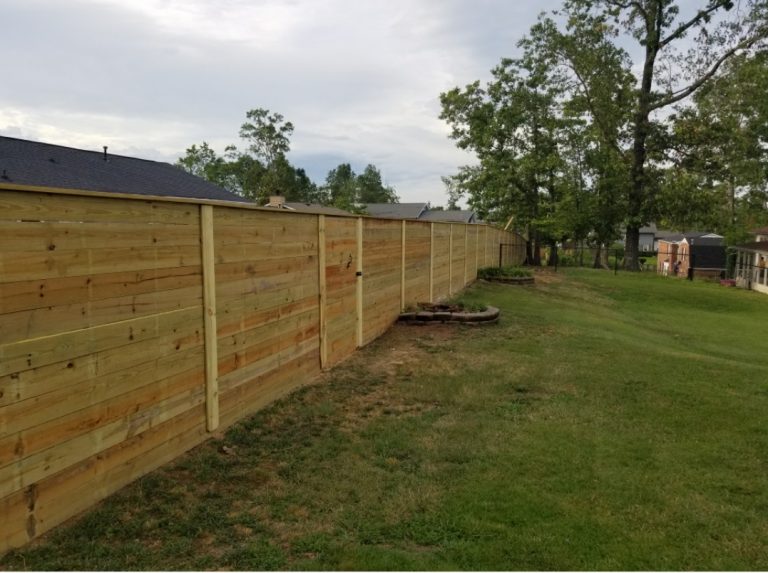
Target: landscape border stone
(512, 280)
(489, 315)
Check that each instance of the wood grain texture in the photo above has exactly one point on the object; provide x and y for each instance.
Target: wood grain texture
(209, 319)
(131, 326)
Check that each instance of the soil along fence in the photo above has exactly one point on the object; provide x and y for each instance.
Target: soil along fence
(132, 328)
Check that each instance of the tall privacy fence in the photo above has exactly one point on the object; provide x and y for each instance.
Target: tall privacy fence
(132, 328)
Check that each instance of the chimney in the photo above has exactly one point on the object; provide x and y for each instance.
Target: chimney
(276, 201)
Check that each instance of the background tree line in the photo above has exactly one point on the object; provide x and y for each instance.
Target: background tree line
(578, 141)
(262, 169)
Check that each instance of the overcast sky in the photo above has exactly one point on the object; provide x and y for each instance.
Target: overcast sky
(360, 80)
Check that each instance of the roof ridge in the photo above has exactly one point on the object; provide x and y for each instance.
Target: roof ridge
(80, 150)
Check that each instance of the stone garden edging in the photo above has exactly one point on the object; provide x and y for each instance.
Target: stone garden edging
(489, 315)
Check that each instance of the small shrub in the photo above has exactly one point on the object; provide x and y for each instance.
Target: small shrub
(465, 305)
(503, 272)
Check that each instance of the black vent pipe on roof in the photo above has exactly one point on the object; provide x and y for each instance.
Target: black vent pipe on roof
(105, 153)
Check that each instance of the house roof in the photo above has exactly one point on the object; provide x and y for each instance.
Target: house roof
(33, 163)
(449, 216)
(662, 234)
(396, 210)
(649, 230)
(698, 238)
(754, 246)
(760, 231)
(315, 208)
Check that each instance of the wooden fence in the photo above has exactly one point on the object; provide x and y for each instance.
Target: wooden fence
(131, 328)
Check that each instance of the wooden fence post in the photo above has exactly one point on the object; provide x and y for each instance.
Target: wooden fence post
(431, 262)
(466, 252)
(359, 285)
(450, 259)
(209, 319)
(477, 249)
(402, 267)
(322, 299)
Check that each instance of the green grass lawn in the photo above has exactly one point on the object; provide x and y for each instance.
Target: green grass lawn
(607, 422)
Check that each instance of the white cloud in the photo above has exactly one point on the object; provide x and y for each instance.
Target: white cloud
(359, 80)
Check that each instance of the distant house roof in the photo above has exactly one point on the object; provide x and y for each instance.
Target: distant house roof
(760, 231)
(698, 238)
(315, 208)
(396, 210)
(754, 246)
(24, 162)
(649, 230)
(450, 216)
(662, 234)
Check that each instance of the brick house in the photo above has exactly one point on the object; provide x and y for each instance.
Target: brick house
(702, 254)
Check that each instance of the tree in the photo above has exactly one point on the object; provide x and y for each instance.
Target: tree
(349, 191)
(267, 134)
(719, 148)
(263, 169)
(371, 189)
(658, 29)
(576, 58)
(341, 187)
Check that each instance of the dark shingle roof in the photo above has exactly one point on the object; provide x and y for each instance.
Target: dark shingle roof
(316, 209)
(761, 231)
(449, 216)
(395, 210)
(755, 246)
(38, 164)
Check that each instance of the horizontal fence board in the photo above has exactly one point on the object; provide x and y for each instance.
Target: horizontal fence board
(37, 411)
(167, 351)
(59, 497)
(27, 354)
(43, 293)
(53, 320)
(23, 206)
(36, 236)
(158, 408)
(25, 266)
(260, 390)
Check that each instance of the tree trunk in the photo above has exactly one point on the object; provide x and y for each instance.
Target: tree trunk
(637, 191)
(552, 261)
(536, 249)
(601, 257)
(528, 251)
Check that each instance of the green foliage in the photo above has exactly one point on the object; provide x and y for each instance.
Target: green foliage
(267, 135)
(349, 191)
(263, 169)
(571, 139)
(499, 272)
(718, 179)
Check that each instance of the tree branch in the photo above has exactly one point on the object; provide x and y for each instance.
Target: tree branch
(685, 92)
(700, 15)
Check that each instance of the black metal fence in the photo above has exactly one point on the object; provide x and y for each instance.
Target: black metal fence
(666, 261)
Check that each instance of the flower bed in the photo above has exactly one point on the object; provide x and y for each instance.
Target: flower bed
(508, 275)
(450, 313)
